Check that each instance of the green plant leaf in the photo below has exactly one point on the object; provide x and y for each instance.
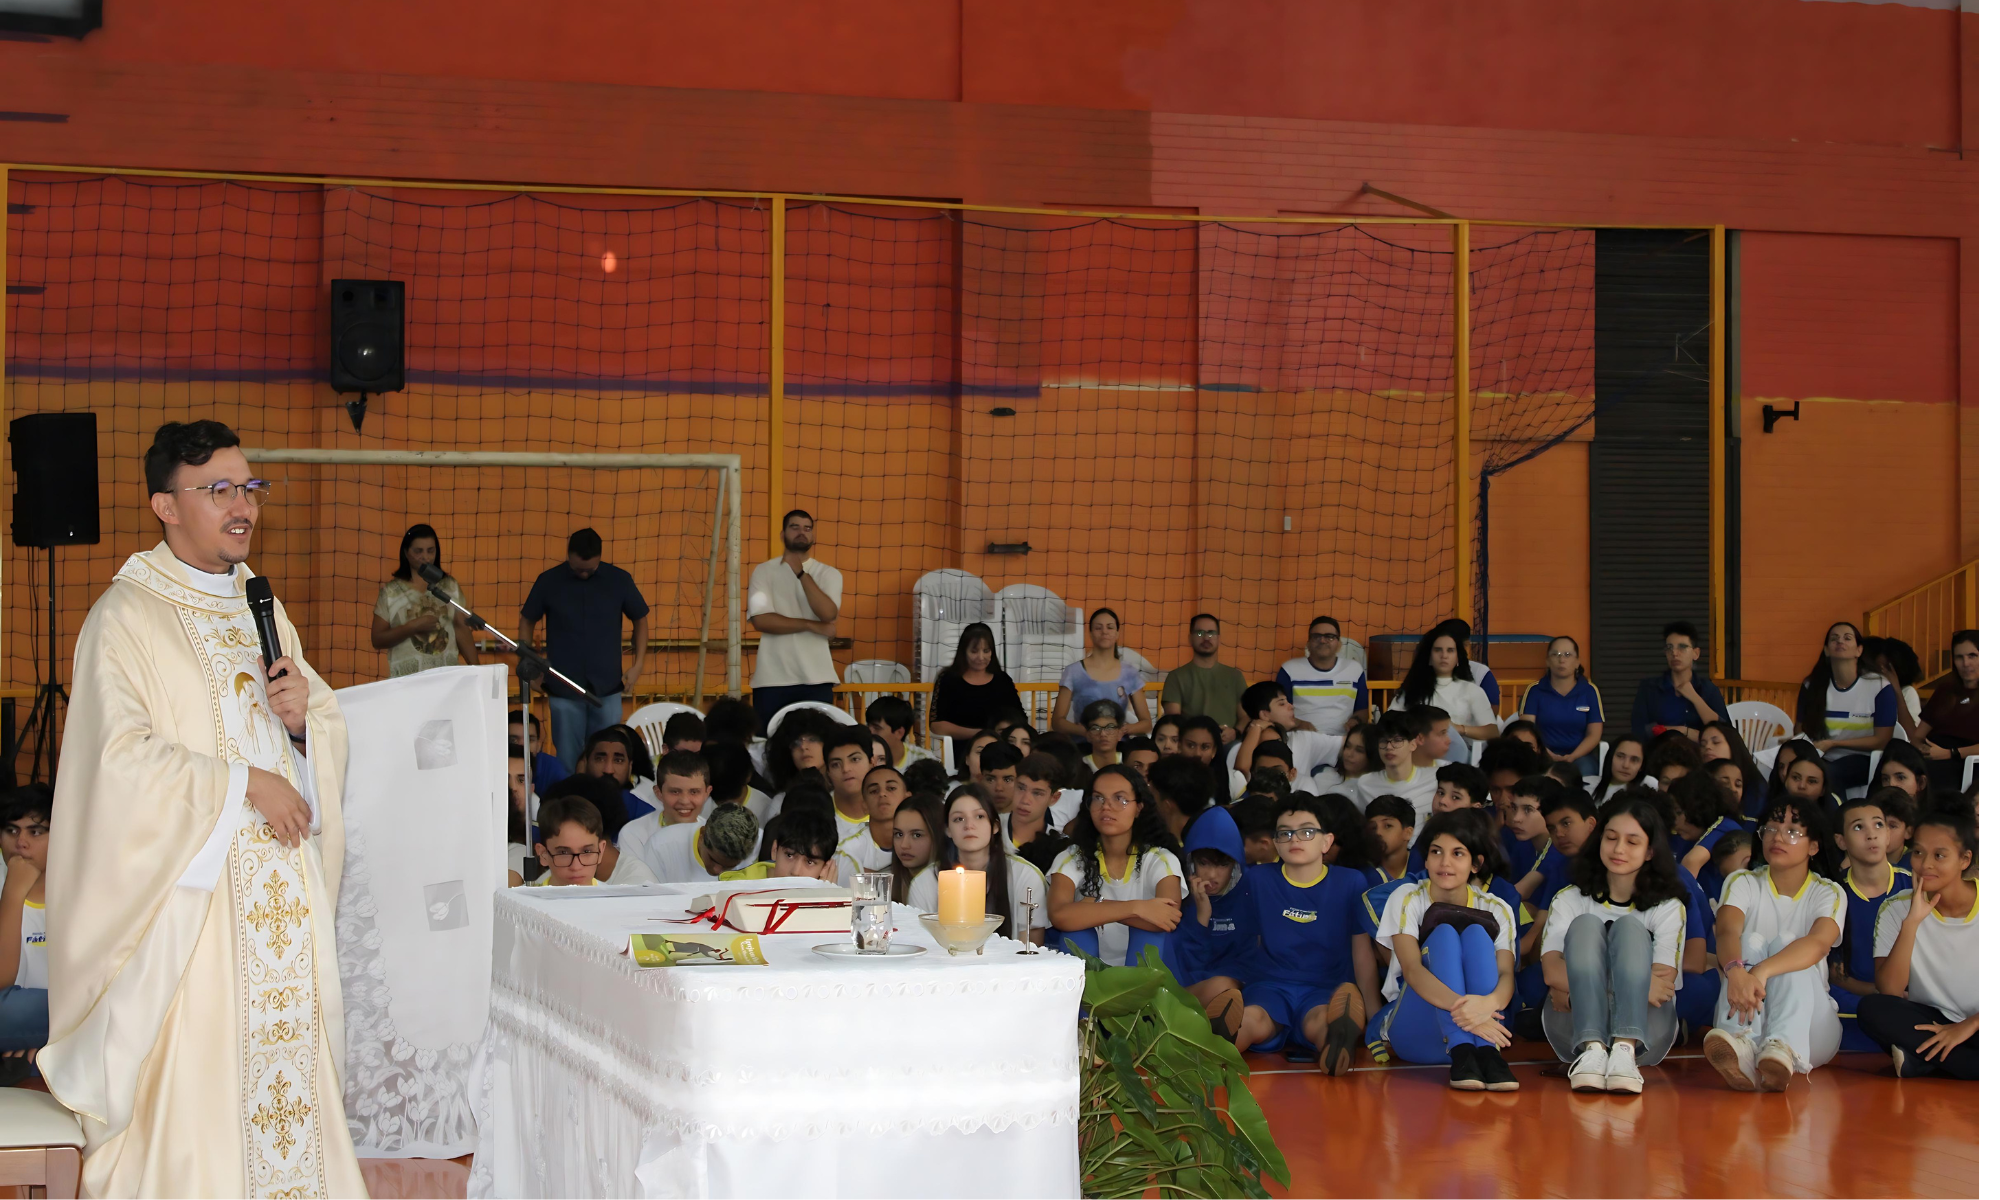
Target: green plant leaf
(1118, 1052)
(1151, 958)
(1116, 991)
(1251, 1125)
(1189, 1025)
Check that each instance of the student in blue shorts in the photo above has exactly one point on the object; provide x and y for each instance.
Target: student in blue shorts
(1312, 974)
(1209, 944)
(1869, 880)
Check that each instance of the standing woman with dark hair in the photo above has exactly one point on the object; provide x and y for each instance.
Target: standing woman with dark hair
(1101, 674)
(1121, 873)
(419, 630)
(1847, 712)
(1611, 951)
(1565, 706)
(1440, 677)
(1949, 728)
(973, 692)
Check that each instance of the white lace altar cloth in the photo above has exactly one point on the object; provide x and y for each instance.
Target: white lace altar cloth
(919, 1076)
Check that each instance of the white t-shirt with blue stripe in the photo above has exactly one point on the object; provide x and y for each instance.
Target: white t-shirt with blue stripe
(1858, 711)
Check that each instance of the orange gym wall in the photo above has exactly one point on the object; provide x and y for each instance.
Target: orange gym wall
(1849, 121)
(1860, 498)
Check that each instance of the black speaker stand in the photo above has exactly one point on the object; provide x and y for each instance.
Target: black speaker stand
(40, 726)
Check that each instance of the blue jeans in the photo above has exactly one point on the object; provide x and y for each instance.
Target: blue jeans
(1610, 967)
(1419, 1031)
(24, 1018)
(1136, 941)
(576, 718)
(768, 700)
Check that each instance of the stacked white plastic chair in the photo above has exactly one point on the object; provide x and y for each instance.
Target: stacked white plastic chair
(1039, 636)
(946, 601)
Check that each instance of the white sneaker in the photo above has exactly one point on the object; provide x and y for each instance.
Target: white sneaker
(1621, 1073)
(1586, 1074)
(1730, 1054)
(1774, 1065)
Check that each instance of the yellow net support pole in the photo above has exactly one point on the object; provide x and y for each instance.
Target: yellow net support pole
(1461, 448)
(777, 416)
(1718, 430)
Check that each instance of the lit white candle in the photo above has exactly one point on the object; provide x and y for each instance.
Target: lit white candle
(961, 896)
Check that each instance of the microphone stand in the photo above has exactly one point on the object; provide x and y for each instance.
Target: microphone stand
(533, 665)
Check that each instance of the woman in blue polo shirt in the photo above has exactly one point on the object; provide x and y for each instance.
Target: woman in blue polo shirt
(1565, 706)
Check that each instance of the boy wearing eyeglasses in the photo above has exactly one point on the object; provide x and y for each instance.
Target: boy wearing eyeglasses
(1312, 979)
(572, 842)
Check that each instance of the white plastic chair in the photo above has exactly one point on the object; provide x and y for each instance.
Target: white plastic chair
(1874, 765)
(1767, 758)
(839, 714)
(1040, 634)
(651, 722)
(1761, 724)
(879, 670)
(1971, 775)
(41, 1143)
(945, 602)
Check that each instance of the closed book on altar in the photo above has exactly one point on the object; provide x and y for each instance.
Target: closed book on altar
(800, 910)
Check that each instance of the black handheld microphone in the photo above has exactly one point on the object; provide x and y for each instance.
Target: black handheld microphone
(263, 610)
(430, 574)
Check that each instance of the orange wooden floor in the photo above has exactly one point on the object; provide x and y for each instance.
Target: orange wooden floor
(1849, 1129)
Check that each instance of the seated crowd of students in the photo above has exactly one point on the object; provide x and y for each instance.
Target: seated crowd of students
(1329, 885)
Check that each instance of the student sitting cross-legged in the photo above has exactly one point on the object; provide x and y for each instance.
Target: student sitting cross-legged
(1451, 974)
(1210, 943)
(1926, 1006)
(1120, 881)
(1312, 976)
(1611, 951)
(1773, 930)
(1015, 891)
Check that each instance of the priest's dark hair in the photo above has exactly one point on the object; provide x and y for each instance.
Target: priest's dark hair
(180, 444)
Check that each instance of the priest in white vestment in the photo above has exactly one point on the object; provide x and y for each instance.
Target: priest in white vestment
(194, 996)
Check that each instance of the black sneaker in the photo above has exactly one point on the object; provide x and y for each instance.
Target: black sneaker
(1528, 1025)
(1493, 1070)
(1465, 1074)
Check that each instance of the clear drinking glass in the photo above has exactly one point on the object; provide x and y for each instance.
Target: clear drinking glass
(872, 890)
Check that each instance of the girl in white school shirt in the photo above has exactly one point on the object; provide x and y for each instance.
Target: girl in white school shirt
(1926, 1006)
(972, 832)
(1611, 951)
(1122, 872)
(1773, 928)
(1440, 677)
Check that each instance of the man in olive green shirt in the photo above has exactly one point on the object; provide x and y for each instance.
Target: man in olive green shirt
(1203, 685)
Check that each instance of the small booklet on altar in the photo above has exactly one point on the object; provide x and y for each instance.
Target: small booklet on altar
(697, 950)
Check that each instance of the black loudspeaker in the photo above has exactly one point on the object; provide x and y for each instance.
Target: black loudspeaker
(55, 479)
(367, 335)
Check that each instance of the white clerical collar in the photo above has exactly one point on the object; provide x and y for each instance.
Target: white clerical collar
(223, 585)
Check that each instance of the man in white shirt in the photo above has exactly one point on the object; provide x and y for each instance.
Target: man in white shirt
(1324, 688)
(794, 601)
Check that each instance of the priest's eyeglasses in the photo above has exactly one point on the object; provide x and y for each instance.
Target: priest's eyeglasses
(562, 858)
(224, 492)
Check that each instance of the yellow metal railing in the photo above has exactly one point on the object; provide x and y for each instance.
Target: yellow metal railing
(1927, 615)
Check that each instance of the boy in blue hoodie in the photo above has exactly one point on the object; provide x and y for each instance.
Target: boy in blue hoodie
(1207, 944)
(1312, 982)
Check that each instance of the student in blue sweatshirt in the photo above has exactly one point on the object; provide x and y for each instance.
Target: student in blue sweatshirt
(1312, 975)
(1209, 943)
(1869, 880)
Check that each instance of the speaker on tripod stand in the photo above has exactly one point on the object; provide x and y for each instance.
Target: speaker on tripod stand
(55, 504)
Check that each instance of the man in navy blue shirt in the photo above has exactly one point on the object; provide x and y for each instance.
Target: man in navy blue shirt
(1677, 699)
(584, 599)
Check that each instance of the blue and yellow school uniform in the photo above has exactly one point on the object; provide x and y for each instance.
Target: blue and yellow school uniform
(1563, 720)
(1857, 953)
(1525, 857)
(1375, 903)
(1695, 1002)
(1305, 941)
(1710, 879)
